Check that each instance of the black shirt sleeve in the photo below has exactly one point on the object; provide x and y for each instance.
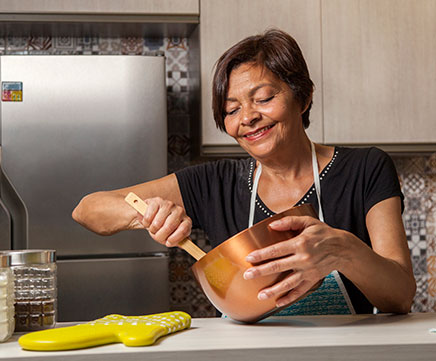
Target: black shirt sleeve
(381, 179)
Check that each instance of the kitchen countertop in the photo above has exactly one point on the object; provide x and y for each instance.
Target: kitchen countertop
(357, 337)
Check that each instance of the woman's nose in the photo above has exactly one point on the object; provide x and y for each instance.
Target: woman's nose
(249, 115)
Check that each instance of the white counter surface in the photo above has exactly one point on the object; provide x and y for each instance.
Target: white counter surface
(359, 337)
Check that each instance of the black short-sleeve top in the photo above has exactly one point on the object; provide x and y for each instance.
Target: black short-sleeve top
(216, 196)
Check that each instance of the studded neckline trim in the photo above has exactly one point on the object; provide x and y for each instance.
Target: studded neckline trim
(305, 198)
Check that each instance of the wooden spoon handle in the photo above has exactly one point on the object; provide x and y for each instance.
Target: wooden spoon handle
(140, 206)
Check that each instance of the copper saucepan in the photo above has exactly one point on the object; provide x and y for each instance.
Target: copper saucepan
(220, 271)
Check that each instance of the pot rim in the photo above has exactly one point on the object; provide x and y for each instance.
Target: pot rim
(259, 224)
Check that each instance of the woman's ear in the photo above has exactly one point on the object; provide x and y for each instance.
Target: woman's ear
(308, 102)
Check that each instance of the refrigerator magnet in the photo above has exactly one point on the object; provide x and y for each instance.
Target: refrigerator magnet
(12, 91)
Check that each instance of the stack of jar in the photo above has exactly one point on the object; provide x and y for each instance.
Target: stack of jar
(35, 288)
(6, 298)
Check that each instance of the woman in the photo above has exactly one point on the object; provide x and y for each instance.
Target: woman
(262, 94)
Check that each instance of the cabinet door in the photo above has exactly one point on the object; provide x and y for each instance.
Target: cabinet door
(379, 72)
(151, 7)
(225, 22)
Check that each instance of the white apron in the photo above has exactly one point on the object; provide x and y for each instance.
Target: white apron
(331, 297)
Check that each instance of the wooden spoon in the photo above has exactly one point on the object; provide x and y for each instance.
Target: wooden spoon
(140, 206)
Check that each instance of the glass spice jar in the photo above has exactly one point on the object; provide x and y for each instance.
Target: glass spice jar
(6, 299)
(35, 289)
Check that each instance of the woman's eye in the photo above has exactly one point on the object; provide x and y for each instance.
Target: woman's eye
(265, 100)
(231, 112)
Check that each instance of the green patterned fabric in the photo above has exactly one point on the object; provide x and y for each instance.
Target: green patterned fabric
(328, 299)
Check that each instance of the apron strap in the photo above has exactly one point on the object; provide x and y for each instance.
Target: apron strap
(253, 195)
(316, 181)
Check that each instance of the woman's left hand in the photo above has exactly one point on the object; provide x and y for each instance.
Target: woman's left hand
(316, 251)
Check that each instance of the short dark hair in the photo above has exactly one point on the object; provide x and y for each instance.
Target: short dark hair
(275, 50)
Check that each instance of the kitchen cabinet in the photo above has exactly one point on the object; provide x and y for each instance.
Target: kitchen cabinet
(379, 73)
(99, 18)
(224, 22)
(150, 7)
(372, 63)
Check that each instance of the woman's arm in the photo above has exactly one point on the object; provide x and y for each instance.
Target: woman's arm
(383, 274)
(388, 283)
(107, 213)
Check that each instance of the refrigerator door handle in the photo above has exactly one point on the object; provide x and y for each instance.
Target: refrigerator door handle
(5, 227)
(16, 213)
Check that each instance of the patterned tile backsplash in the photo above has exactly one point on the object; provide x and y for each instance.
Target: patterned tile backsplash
(417, 172)
(418, 180)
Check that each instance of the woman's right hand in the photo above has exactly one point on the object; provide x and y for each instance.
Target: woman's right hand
(107, 213)
(165, 221)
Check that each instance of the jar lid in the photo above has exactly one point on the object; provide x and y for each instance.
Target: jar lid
(30, 256)
(5, 260)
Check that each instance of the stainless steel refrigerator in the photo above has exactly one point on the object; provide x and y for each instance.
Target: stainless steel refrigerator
(72, 125)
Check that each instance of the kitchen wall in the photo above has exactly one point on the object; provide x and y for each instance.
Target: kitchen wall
(417, 172)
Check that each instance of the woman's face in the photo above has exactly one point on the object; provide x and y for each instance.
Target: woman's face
(261, 111)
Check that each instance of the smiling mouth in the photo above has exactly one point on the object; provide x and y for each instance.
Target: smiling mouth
(260, 131)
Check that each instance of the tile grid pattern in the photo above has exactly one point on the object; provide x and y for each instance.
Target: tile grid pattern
(418, 181)
(417, 173)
